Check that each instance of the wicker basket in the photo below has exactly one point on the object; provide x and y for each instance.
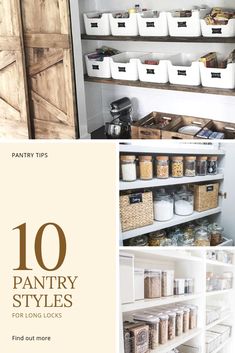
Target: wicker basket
(136, 210)
(206, 196)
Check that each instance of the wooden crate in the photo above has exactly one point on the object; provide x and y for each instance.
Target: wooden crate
(227, 128)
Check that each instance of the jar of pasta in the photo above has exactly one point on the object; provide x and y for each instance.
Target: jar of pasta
(177, 167)
(146, 167)
(162, 167)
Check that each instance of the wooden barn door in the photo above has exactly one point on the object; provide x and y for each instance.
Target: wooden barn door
(14, 116)
(50, 68)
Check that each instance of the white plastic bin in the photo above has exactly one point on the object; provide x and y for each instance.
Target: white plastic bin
(227, 30)
(97, 68)
(153, 73)
(186, 26)
(97, 26)
(139, 283)
(152, 26)
(124, 26)
(127, 292)
(124, 66)
(218, 78)
(183, 69)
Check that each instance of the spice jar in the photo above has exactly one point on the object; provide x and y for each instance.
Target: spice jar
(202, 237)
(193, 316)
(201, 165)
(177, 167)
(216, 236)
(146, 167)
(212, 167)
(152, 283)
(167, 283)
(141, 240)
(128, 168)
(171, 324)
(190, 166)
(163, 206)
(184, 202)
(157, 238)
(153, 322)
(163, 329)
(179, 322)
(162, 167)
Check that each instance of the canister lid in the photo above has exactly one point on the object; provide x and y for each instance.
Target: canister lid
(128, 158)
(177, 158)
(190, 158)
(202, 158)
(162, 158)
(212, 158)
(145, 158)
(146, 317)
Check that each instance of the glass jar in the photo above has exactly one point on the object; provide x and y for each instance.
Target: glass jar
(157, 238)
(153, 322)
(216, 235)
(202, 237)
(184, 202)
(146, 167)
(163, 206)
(177, 167)
(167, 283)
(163, 329)
(171, 324)
(212, 167)
(179, 322)
(162, 167)
(193, 316)
(128, 168)
(141, 240)
(152, 284)
(190, 166)
(201, 165)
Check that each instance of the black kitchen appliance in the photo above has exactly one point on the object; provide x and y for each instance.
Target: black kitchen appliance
(120, 127)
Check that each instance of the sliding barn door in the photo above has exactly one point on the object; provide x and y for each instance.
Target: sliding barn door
(50, 68)
(14, 117)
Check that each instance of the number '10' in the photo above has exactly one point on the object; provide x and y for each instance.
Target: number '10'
(38, 247)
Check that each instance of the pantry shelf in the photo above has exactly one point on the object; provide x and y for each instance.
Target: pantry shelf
(217, 322)
(219, 348)
(162, 86)
(217, 263)
(150, 303)
(160, 39)
(218, 292)
(141, 184)
(150, 253)
(173, 222)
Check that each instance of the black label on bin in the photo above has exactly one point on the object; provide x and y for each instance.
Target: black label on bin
(121, 24)
(95, 67)
(182, 24)
(137, 198)
(216, 30)
(215, 75)
(150, 71)
(150, 24)
(94, 25)
(209, 188)
(121, 69)
(182, 72)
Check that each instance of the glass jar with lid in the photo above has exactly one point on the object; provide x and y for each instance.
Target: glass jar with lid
(163, 206)
(157, 238)
(201, 165)
(128, 168)
(153, 322)
(152, 284)
(177, 166)
(171, 324)
(163, 328)
(212, 167)
(202, 237)
(184, 202)
(216, 235)
(146, 167)
(162, 167)
(141, 240)
(190, 166)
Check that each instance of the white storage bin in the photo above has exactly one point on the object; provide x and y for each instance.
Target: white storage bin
(219, 78)
(139, 283)
(127, 278)
(153, 73)
(124, 26)
(183, 69)
(124, 66)
(98, 68)
(185, 26)
(152, 26)
(218, 30)
(97, 26)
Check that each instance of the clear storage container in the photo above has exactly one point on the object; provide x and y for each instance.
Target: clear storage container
(177, 167)
(171, 324)
(167, 283)
(202, 237)
(146, 167)
(128, 168)
(152, 23)
(153, 322)
(202, 165)
(184, 202)
(216, 235)
(212, 167)
(157, 238)
(163, 206)
(193, 316)
(162, 167)
(139, 283)
(179, 284)
(163, 329)
(189, 286)
(186, 314)
(152, 283)
(179, 322)
(141, 240)
(190, 166)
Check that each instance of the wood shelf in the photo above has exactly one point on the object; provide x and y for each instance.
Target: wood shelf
(162, 86)
(161, 39)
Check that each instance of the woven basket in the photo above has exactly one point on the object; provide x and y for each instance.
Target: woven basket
(206, 197)
(136, 210)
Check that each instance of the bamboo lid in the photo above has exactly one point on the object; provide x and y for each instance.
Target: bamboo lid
(145, 158)
(190, 158)
(202, 158)
(162, 158)
(212, 158)
(127, 158)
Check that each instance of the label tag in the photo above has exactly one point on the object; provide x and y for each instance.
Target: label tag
(216, 30)
(182, 24)
(210, 188)
(150, 24)
(121, 69)
(215, 75)
(121, 24)
(137, 198)
(182, 72)
(150, 71)
(94, 25)
(95, 67)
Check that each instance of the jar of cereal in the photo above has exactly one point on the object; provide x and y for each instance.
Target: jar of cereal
(177, 167)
